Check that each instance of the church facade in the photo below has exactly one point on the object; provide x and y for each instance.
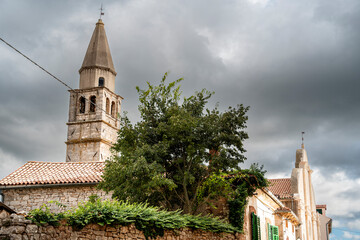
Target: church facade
(285, 211)
(297, 193)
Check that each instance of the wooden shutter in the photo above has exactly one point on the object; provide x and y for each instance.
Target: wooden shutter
(258, 228)
(255, 226)
(269, 230)
(275, 232)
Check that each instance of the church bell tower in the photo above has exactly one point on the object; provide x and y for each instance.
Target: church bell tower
(93, 111)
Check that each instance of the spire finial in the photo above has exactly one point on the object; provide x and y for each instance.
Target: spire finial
(302, 140)
(101, 11)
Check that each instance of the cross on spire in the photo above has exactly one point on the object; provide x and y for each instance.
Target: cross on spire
(101, 11)
(302, 140)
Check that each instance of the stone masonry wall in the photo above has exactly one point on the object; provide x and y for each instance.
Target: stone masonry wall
(26, 199)
(16, 227)
(91, 134)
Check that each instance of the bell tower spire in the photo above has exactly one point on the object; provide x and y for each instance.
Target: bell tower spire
(94, 107)
(98, 68)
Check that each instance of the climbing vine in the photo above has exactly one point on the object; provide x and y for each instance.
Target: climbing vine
(236, 187)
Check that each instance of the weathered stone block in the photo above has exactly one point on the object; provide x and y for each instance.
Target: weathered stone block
(32, 228)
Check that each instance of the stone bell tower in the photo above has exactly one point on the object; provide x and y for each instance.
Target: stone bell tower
(93, 111)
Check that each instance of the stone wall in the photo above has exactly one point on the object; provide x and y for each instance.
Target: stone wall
(91, 134)
(26, 199)
(16, 227)
(218, 208)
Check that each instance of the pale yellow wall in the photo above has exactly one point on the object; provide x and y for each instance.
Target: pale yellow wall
(323, 226)
(265, 207)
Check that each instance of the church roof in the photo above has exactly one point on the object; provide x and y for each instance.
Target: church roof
(38, 173)
(281, 187)
(98, 53)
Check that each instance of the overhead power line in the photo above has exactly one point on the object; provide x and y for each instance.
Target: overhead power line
(36, 64)
(52, 75)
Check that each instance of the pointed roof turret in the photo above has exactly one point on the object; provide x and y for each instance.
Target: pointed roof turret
(98, 53)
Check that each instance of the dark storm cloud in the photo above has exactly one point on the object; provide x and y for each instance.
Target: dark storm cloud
(295, 63)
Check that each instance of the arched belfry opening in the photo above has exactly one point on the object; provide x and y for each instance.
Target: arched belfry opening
(92, 103)
(101, 82)
(107, 106)
(113, 109)
(82, 101)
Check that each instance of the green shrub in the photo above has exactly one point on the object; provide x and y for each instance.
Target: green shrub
(43, 215)
(152, 221)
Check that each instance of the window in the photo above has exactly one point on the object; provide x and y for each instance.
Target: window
(107, 105)
(255, 226)
(82, 105)
(101, 81)
(92, 103)
(273, 232)
(113, 108)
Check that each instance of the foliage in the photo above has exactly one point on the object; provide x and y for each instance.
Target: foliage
(215, 186)
(237, 206)
(236, 187)
(151, 220)
(93, 198)
(43, 215)
(164, 158)
(58, 204)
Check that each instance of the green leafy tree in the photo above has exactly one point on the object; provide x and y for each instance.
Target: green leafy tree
(235, 187)
(165, 157)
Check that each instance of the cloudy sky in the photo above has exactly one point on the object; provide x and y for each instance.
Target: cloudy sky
(295, 63)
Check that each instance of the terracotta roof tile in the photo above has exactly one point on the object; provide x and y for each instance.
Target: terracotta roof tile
(281, 187)
(34, 173)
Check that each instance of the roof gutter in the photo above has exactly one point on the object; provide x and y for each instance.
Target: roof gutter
(47, 185)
